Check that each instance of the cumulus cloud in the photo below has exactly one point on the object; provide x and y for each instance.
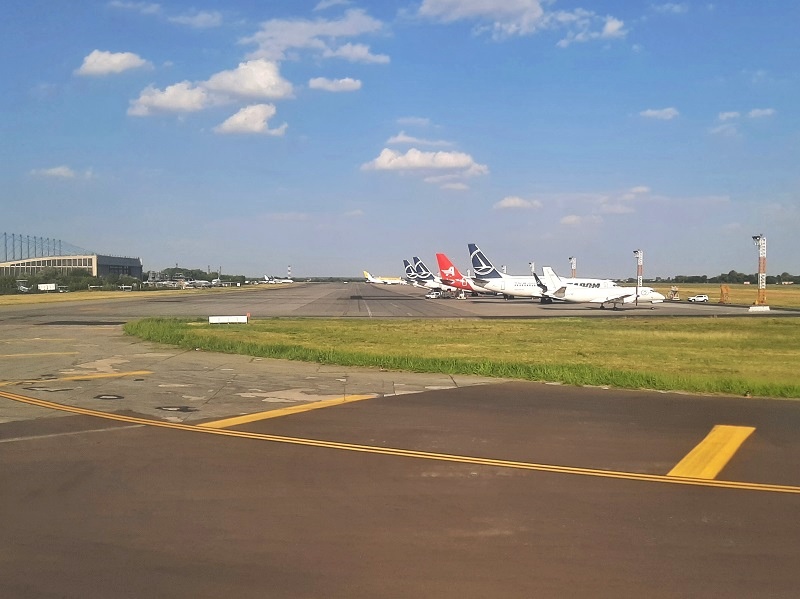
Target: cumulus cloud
(663, 114)
(516, 202)
(414, 159)
(100, 62)
(252, 120)
(524, 17)
(726, 116)
(252, 80)
(451, 167)
(258, 79)
(279, 36)
(335, 85)
(181, 97)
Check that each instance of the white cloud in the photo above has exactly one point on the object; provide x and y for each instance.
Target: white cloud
(203, 19)
(726, 116)
(277, 36)
(403, 138)
(100, 62)
(664, 114)
(181, 97)
(758, 113)
(451, 168)
(335, 85)
(252, 119)
(414, 159)
(252, 80)
(640, 189)
(504, 19)
(356, 53)
(515, 202)
(258, 79)
(455, 186)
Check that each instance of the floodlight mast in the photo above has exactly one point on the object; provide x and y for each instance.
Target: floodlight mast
(639, 267)
(761, 242)
(573, 265)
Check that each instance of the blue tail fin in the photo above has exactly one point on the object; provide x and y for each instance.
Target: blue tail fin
(423, 274)
(410, 274)
(483, 268)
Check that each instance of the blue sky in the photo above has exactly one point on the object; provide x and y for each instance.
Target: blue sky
(338, 136)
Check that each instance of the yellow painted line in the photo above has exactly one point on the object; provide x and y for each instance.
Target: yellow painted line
(316, 405)
(49, 353)
(712, 453)
(441, 457)
(78, 377)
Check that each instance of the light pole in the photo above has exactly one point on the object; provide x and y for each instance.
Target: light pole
(639, 264)
(573, 265)
(761, 243)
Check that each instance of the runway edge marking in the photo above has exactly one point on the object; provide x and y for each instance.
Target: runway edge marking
(695, 482)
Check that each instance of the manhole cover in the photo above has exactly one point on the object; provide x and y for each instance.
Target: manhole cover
(107, 396)
(177, 409)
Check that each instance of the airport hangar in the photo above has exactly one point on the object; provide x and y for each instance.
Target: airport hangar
(97, 264)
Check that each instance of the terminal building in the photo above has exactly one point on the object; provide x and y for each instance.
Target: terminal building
(30, 255)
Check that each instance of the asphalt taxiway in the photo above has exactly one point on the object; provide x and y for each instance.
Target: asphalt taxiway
(131, 469)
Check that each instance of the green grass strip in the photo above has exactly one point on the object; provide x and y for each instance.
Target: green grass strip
(731, 356)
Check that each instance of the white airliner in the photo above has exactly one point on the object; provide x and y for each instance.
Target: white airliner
(580, 292)
(427, 279)
(488, 277)
(383, 280)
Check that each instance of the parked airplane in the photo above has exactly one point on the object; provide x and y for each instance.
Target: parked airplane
(491, 279)
(383, 280)
(427, 279)
(450, 275)
(197, 283)
(569, 290)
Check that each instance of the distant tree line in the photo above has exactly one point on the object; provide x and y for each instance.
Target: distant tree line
(733, 277)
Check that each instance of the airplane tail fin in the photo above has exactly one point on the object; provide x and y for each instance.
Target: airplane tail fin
(423, 274)
(483, 268)
(411, 275)
(447, 270)
(555, 286)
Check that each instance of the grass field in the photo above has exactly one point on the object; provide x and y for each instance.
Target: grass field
(735, 356)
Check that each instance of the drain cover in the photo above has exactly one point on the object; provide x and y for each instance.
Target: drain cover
(177, 409)
(107, 396)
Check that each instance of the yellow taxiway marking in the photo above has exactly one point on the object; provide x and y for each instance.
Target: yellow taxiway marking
(46, 353)
(712, 453)
(314, 405)
(78, 377)
(410, 453)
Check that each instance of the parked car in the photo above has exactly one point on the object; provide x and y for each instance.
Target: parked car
(433, 295)
(699, 298)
